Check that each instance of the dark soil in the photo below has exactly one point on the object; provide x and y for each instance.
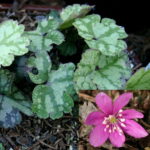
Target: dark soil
(36, 134)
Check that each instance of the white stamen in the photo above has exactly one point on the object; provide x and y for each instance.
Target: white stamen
(110, 116)
(122, 119)
(105, 129)
(114, 128)
(120, 133)
(120, 115)
(123, 125)
(120, 110)
(110, 131)
(104, 122)
(107, 126)
(119, 130)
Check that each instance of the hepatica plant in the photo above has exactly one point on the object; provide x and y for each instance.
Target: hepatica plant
(37, 82)
(112, 122)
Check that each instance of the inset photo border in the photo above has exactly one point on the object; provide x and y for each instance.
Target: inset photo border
(114, 120)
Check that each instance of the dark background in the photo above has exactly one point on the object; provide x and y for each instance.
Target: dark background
(133, 15)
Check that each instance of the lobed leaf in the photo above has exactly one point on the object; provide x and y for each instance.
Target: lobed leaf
(97, 71)
(9, 112)
(104, 36)
(55, 98)
(70, 13)
(140, 80)
(42, 64)
(45, 35)
(45, 25)
(12, 42)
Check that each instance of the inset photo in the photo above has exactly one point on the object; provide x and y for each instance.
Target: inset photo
(114, 120)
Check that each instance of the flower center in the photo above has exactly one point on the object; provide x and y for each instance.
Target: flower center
(114, 123)
(112, 119)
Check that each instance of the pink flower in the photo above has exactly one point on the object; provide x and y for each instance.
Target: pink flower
(111, 122)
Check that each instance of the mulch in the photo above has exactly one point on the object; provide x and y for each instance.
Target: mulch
(37, 134)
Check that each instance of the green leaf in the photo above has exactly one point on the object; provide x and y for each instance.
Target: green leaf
(9, 116)
(55, 37)
(8, 88)
(6, 81)
(104, 36)
(42, 64)
(70, 13)
(56, 15)
(139, 81)
(22, 99)
(45, 25)
(97, 71)
(1, 147)
(12, 42)
(9, 112)
(67, 48)
(45, 35)
(55, 98)
(21, 68)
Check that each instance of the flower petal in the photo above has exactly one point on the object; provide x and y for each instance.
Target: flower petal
(134, 129)
(104, 102)
(121, 101)
(95, 118)
(98, 136)
(131, 114)
(117, 139)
